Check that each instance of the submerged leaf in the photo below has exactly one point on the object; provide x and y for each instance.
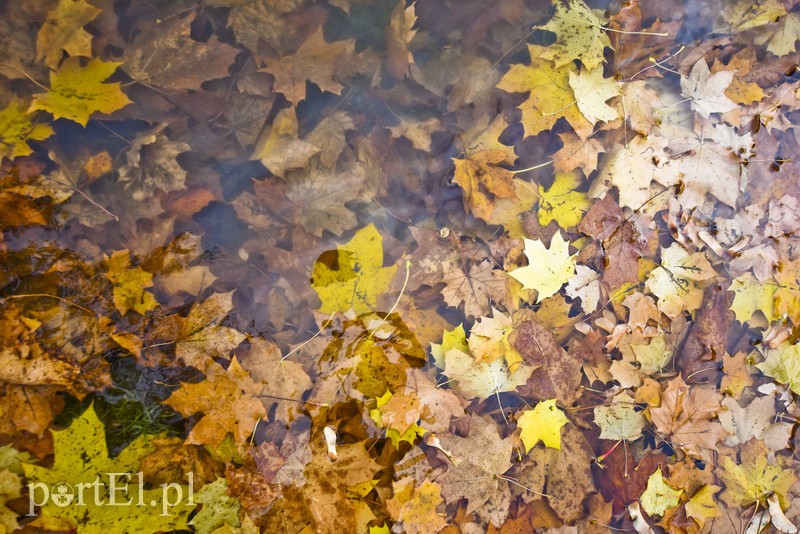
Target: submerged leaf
(81, 457)
(358, 278)
(76, 92)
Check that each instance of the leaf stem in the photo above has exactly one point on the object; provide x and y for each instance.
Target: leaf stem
(539, 166)
(309, 340)
(396, 302)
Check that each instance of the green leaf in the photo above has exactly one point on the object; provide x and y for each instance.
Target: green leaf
(76, 92)
(659, 497)
(81, 459)
(218, 508)
(16, 129)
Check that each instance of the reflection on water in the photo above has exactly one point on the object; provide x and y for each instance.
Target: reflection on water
(357, 178)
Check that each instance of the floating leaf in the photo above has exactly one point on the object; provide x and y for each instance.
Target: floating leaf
(76, 92)
(543, 423)
(659, 496)
(548, 268)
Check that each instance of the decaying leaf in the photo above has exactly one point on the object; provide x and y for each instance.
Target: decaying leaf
(229, 401)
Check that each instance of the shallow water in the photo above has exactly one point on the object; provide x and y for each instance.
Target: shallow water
(342, 169)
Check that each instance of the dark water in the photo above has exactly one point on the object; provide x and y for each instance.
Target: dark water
(247, 156)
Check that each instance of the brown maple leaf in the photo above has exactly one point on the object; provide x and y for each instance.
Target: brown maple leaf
(167, 57)
(606, 223)
(228, 398)
(558, 373)
(198, 338)
(687, 415)
(315, 61)
(285, 382)
(476, 477)
(476, 288)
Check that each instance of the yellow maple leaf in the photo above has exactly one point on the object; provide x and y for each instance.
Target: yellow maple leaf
(76, 92)
(547, 269)
(579, 35)
(702, 506)
(543, 423)
(451, 339)
(562, 203)
(591, 93)
(752, 296)
(16, 129)
(551, 96)
(82, 459)
(783, 364)
(63, 30)
(659, 496)
(415, 506)
(130, 284)
(783, 41)
(360, 277)
(753, 479)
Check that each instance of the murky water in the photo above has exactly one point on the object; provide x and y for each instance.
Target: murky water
(263, 137)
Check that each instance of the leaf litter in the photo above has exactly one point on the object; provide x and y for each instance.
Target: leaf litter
(401, 266)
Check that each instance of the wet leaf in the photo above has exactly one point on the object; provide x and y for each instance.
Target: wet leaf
(17, 128)
(228, 399)
(659, 496)
(76, 92)
(548, 269)
(63, 32)
(85, 438)
(783, 364)
(620, 420)
(476, 288)
(130, 284)
(358, 278)
(415, 507)
(753, 478)
(579, 35)
(543, 423)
